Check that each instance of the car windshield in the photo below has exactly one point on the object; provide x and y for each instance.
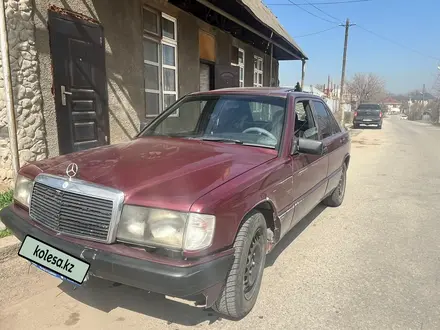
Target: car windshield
(240, 119)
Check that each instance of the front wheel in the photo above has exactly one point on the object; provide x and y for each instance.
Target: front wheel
(337, 196)
(243, 283)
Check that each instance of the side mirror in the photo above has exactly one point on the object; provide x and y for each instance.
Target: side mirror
(307, 146)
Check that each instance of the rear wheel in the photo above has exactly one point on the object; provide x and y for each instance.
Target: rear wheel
(243, 283)
(337, 196)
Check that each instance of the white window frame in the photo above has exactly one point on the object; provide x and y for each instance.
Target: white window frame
(258, 71)
(172, 43)
(159, 76)
(160, 40)
(241, 67)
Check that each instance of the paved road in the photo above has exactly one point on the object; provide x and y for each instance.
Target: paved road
(371, 264)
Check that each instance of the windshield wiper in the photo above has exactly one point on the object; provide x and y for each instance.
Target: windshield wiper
(218, 139)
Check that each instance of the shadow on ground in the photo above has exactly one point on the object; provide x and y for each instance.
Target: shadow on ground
(107, 296)
(293, 234)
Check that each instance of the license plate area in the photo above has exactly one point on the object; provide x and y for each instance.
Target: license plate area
(53, 261)
(368, 120)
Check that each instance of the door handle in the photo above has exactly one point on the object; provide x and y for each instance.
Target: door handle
(324, 149)
(63, 94)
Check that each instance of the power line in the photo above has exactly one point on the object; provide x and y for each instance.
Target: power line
(318, 32)
(322, 11)
(319, 3)
(399, 44)
(310, 13)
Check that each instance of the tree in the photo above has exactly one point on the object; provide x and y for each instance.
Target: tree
(298, 87)
(366, 87)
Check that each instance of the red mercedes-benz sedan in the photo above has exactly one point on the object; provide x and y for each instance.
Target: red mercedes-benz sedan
(193, 204)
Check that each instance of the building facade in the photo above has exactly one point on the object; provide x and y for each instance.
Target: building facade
(87, 73)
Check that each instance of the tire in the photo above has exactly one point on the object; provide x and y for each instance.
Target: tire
(379, 127)
(337, 196)
(250, 246)
(355, 126)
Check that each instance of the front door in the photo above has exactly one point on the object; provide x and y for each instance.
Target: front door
(79, 81)
(309, 171)
(333, 139)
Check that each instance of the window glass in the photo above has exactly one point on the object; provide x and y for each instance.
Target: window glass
(168, 28)
(226, 119)
(152, 103)
(323, 119)
(151, 51)
(168, 100)
(335, 126)
(150, 21)
(169, 79)
(151, 76)
(168, 55)
(305, 126)
(258, 71)
(240, 57)
(300, 110)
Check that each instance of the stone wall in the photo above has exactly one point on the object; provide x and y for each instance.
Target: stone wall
(28, 101)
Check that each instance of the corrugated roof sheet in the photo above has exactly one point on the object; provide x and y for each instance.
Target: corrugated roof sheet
(265, 15)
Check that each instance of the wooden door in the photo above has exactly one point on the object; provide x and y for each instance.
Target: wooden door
(80, 84)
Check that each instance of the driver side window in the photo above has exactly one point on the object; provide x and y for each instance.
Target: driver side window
(305, 126)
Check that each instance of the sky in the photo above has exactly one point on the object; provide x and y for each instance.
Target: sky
(406, 62)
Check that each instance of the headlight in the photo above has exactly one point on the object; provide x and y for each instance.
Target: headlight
(163, 228)
(23, 189)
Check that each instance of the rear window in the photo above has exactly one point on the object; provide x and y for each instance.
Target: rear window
(369, 106)
(368, 112)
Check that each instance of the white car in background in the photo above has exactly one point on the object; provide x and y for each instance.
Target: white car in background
(403, 116)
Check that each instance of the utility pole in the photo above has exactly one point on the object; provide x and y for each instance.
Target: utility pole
(344, 61)
(328, 88)
(303, 73)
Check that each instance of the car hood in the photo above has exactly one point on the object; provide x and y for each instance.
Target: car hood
(159, 172)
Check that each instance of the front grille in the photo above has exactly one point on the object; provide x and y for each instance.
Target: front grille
(71, 213)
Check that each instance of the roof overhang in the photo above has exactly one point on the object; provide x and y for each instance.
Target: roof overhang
(248, 20)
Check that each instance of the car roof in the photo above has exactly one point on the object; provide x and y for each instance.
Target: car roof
(263, 91)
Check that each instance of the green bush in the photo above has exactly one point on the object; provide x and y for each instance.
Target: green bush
(6, 199)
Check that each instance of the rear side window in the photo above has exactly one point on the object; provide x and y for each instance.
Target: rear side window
(323, 119)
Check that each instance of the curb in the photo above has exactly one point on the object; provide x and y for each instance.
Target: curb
(9, 247)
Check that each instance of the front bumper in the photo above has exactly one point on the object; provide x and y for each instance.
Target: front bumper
(165, 279)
